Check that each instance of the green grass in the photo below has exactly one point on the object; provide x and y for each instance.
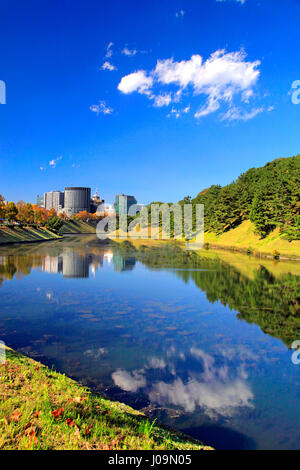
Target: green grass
(25, 234)
(244, 237)
(78, 226)
(43, 409)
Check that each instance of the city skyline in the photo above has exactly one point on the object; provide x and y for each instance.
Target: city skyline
(159, 100)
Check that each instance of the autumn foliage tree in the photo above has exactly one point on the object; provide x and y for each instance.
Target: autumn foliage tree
(11, 211)
(2, 207)
(25, 213)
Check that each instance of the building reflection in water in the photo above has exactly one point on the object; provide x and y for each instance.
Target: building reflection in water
(70, 262)
(122, 263)
(73, 264)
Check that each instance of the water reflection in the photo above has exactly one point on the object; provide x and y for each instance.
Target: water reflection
(197, 341)
(217, 390)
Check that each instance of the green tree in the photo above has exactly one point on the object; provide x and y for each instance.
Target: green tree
(54, 223)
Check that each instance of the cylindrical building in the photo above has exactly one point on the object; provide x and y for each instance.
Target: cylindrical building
(77, 200)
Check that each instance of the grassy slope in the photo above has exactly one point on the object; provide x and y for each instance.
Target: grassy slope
(42, 409)
(26, 234)
(78, 226)
(243, 237)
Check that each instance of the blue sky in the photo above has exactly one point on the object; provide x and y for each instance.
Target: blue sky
(157, 99)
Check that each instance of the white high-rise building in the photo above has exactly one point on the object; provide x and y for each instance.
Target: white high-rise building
(54, 200)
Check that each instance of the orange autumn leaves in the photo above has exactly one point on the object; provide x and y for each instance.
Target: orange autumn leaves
(30, 428)
(58, 414)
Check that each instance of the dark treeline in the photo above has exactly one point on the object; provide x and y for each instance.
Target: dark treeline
(269, 196)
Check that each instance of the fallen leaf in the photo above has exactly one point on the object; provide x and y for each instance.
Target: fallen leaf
(70, 422)
(15, 416)
(30, 431)
(88, 429)
(58, 412)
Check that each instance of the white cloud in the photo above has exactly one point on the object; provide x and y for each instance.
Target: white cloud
(109, 51)
(213, 390)
(108, 66)
(129, 381)
(137, 81)
(215, 397)
(42, 168)
(178, 112)
(156, 363)
(53, 162)
(238, 1)
(179, 14)
(101, 108)
(221, 78)
(129, 52)
(222, 74)
(162, 100)
(234, 114)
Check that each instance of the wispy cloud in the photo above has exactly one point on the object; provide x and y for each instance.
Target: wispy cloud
(53, 163)
(101, 108)
(129, 52)
(109, 51)
(238, 1)
(178, 112)
(179, 14)
(237, 114)
(222, 78)
(108, 66)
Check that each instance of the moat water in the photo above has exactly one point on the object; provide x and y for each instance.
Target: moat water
(201, 342)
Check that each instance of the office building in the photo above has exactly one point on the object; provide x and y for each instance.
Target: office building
(54, 200)
(123, 202)
(77, 199)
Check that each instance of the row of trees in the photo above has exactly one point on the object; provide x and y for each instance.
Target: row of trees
(32, 214)
(268, 196)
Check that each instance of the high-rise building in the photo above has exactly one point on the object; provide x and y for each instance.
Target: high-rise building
(123, 202)
(77, 200)
(40, 200)
(54, 200)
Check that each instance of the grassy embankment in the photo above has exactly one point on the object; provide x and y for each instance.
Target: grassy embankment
(78, 226)
(17, 234)
(242, 238)
(42, 409)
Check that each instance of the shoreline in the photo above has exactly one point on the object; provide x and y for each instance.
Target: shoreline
(41, 409)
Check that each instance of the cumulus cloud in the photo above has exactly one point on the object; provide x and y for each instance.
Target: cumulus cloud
(101, 108)
(129, 381)
(108, 66)
(137, 81)
(213, 390)
(221, 78)
(215, 397)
